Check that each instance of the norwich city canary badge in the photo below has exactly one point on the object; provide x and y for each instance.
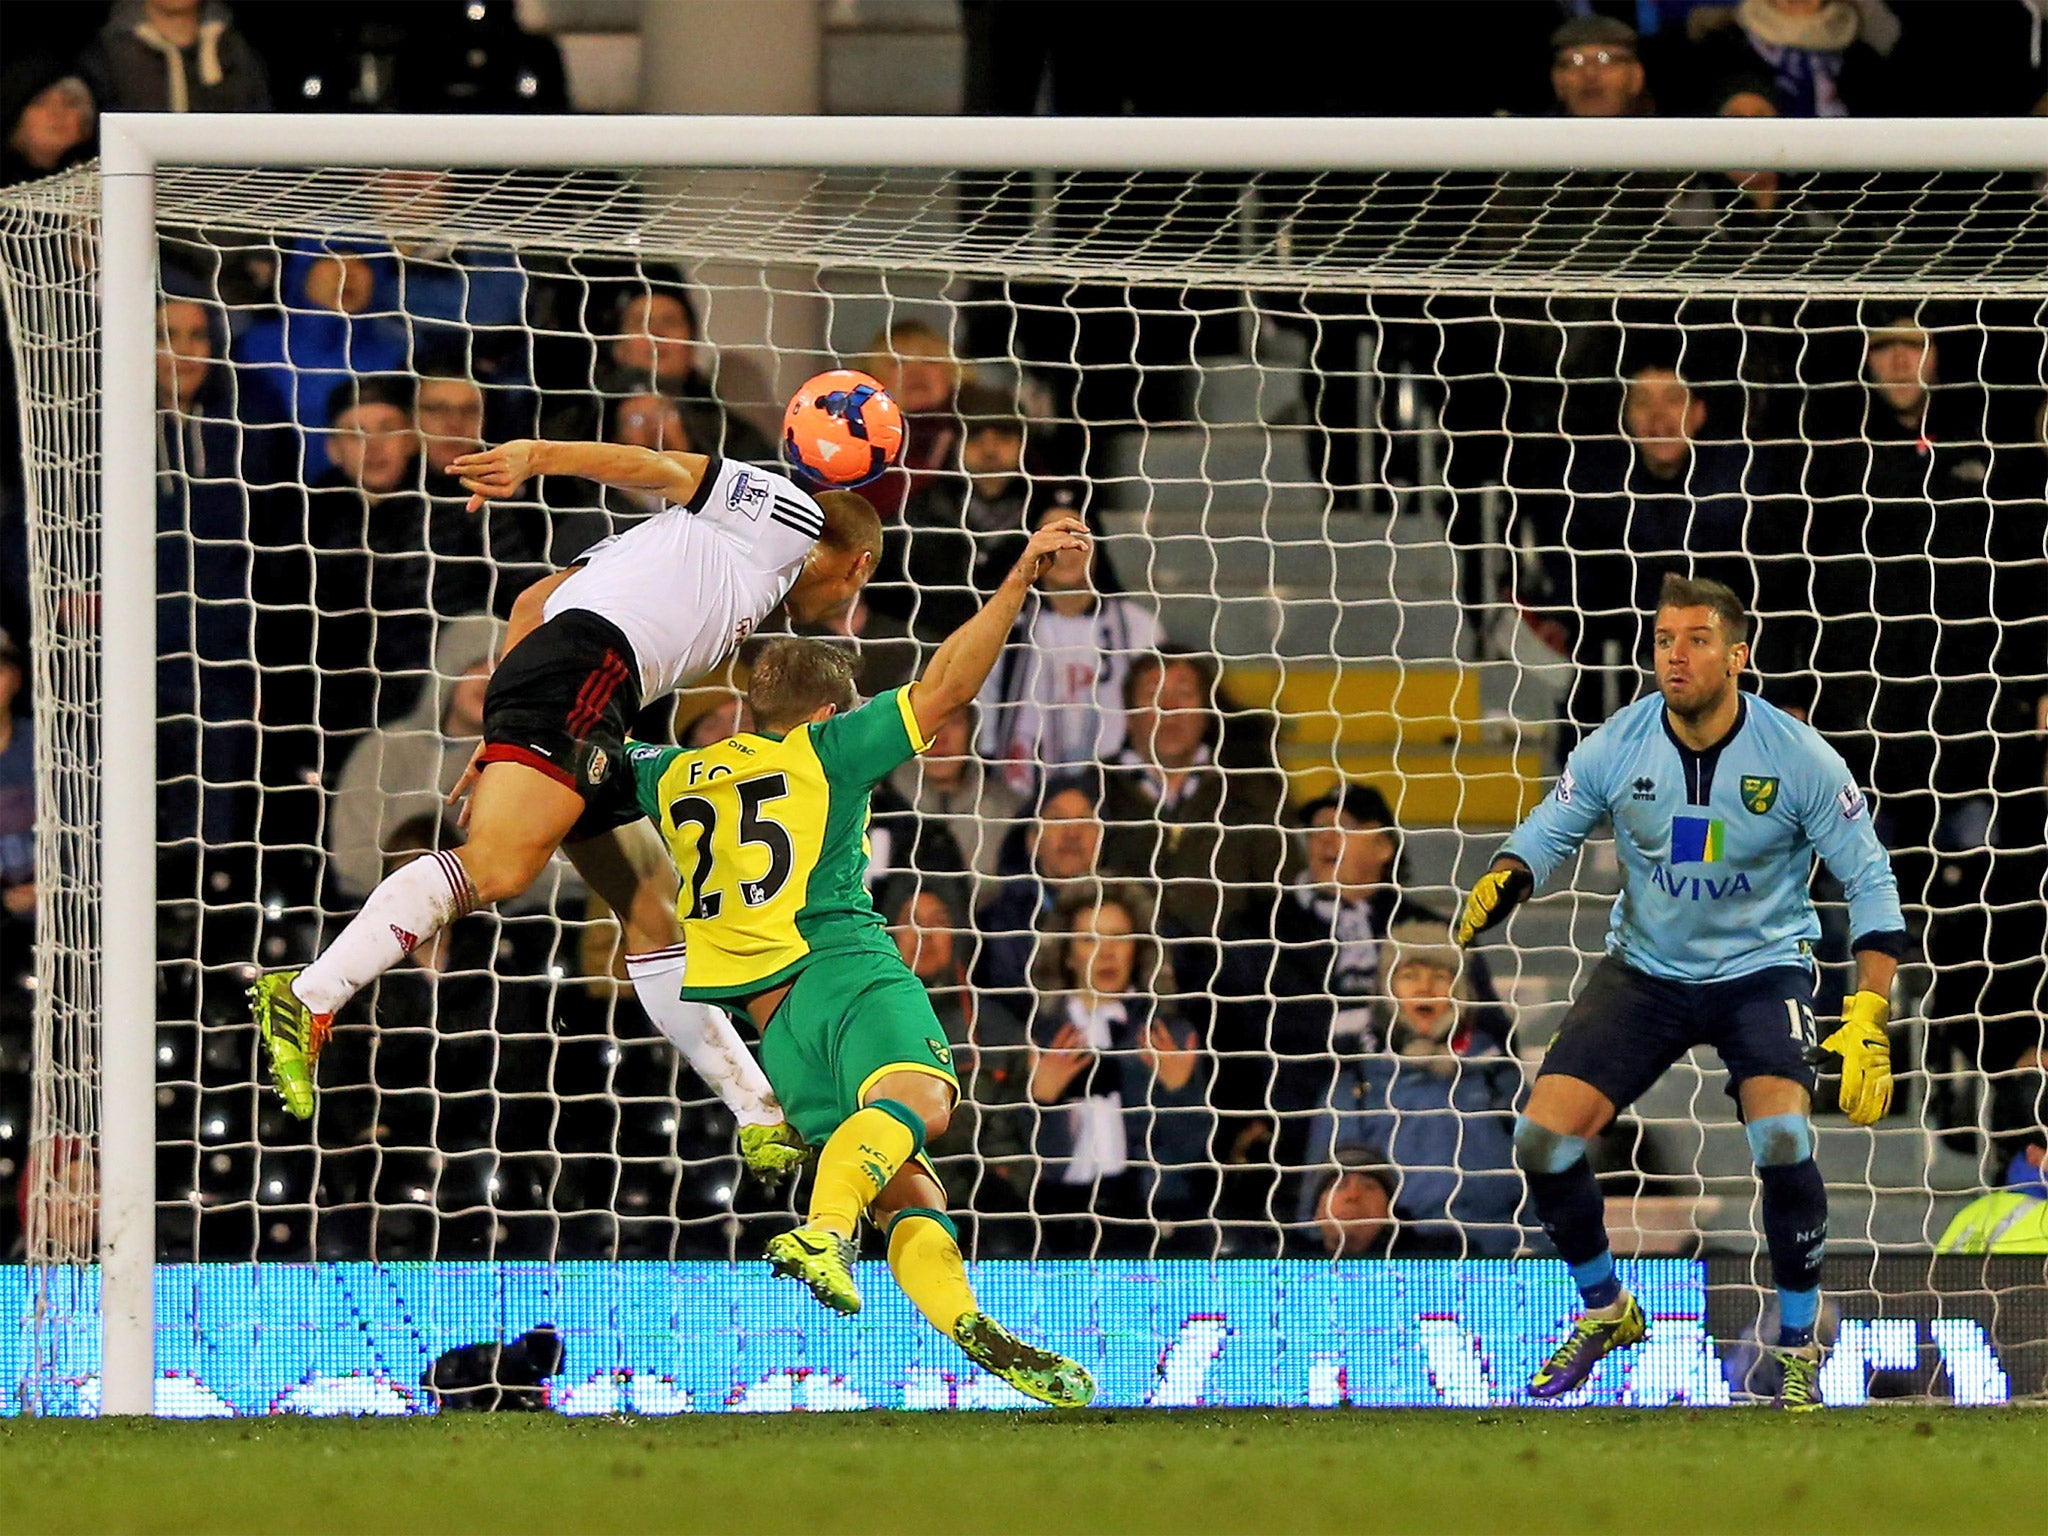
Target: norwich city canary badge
(1758, 794)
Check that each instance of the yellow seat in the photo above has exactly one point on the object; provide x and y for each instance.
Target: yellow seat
(1414, 731)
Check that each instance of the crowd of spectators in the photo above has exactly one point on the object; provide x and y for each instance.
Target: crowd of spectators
(1189, 1017)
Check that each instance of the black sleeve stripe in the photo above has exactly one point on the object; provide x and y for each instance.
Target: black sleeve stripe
(1891, 942)
(792, 524)
(712, 471)
(802, 513)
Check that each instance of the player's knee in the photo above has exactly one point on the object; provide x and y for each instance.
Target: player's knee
(1779, 1141)
(498, 872)
(930, 1099)
(1539, 1149)
(937, 1113)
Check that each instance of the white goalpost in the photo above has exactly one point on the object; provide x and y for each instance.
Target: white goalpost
(1410, 237)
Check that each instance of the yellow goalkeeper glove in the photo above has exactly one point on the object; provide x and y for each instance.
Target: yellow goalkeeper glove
(1866, 1053)
(1496, 893)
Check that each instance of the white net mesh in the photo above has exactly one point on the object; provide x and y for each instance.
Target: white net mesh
(1386, 459)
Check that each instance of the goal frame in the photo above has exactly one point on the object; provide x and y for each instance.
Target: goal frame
(134, 145)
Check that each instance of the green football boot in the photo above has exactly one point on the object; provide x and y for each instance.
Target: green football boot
(1801, 1391)
(1037, 1373)
(292, 1035)
(773, 1152)
(823, 1261)
(1589, 1342)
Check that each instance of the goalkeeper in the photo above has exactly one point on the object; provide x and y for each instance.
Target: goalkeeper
(639, 615)
(1719, 803)
(769, 832)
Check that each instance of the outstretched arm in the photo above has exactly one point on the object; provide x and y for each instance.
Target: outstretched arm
(1544, 840)
(962, 664)
(498, 473)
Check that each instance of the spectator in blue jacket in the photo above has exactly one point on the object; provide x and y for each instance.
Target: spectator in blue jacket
(462, 301)
(327, 330)
(1439, 1099)
(1124, 1124)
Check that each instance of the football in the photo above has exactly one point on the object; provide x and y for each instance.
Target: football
(842, 429)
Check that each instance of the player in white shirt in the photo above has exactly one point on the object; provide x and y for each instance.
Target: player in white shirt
(638, 616)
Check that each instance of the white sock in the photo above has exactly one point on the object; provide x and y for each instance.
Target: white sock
(704, 1035)
(409, 907)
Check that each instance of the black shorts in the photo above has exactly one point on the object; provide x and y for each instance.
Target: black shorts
(561, 703)
(1626, 1029)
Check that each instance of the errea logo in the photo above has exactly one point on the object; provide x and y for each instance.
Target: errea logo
(1644, 788)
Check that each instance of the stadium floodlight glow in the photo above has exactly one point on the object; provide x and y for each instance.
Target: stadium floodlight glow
(113, 991)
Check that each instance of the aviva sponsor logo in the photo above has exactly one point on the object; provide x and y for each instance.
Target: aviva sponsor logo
(1698, 887)
(1697, 840)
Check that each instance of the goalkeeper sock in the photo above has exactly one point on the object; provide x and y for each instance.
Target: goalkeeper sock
(1796, 1232)
(1568, 1204)
(408, 907)
(924, 1256)
(704, 1035)
(859, 1160)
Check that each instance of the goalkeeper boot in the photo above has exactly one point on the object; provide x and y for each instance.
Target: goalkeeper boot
(1801, 1365)
(772, 1152)
(823, 1261)
(1591, 1340)
(1037, 1373)
(292, 1035)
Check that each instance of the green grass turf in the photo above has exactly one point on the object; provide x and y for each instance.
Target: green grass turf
(1221, 1474)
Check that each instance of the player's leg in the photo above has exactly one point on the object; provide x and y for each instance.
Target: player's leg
(1619, 1037)
(1559, 1122)
(518, 817)
(1770, 1028)
(900, 1110)
(630, 869)
(924, 1256)
(1795, 1202)
(867, 1023)
(555, 719)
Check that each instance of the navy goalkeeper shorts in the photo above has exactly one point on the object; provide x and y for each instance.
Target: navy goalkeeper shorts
(1626, 1029)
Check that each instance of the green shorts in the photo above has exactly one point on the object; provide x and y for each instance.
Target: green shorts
(848, 1020)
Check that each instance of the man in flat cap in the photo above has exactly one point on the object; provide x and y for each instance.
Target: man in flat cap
(1595, 69)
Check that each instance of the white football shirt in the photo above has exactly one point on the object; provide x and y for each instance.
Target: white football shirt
(1056, 699)
(695, 580)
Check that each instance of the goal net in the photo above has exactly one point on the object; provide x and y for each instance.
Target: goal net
(1386, 464)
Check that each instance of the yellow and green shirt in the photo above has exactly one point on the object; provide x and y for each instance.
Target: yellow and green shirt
(769, 835)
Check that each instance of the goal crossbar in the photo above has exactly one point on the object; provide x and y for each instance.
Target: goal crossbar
(135, 146)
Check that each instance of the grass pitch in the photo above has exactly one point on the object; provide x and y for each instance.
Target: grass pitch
(1220, 1474)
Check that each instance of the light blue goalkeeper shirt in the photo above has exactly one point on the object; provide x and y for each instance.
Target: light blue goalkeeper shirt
(1717, 847)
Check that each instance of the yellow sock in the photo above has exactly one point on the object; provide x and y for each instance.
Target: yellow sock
(858, 1161)
(924, 1256)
